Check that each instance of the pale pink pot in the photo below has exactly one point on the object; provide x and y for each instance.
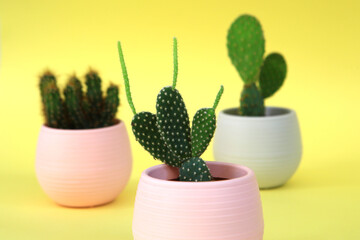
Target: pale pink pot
(221, 210)
(83, 168)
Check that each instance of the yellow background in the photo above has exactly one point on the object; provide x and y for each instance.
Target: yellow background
(319, 39)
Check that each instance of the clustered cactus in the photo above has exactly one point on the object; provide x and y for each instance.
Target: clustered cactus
(261, 77)
(78, 110)
(167, 135)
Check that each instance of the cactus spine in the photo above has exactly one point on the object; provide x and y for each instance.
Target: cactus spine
(262, 78)
(167, 135)
(78, 110)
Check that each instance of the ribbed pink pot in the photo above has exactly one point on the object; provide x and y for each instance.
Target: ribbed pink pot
(220, 210)
(83, 168)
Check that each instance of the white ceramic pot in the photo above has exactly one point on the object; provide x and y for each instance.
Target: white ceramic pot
(83, 168)
(270, 146)
(217, 210)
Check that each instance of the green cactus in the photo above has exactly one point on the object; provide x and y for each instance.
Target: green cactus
(167, 135)
(77, 111)
(246, 47)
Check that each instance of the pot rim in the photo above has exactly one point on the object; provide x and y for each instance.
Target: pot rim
(82, 131)
(288, 112)
(249, 174)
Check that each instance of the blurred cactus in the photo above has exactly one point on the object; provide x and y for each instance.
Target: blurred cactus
(77, 110)
(167, 135)
(262, 78)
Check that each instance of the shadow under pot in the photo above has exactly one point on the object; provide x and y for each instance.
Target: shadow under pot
(83, 168)
(166, 209)
(271, 145)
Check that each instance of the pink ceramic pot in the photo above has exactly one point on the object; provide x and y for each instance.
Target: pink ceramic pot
(83, 168)
(221, 210)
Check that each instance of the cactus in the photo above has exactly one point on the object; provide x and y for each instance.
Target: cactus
(167, 135)
(78, 110)
(262, 78)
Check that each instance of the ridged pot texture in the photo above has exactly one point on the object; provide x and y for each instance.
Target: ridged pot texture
(217, 210)
(271, 145)
(83, 168)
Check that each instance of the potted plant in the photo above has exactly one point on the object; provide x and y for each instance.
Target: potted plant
(265, 139)
(188, 198)
(83, 156)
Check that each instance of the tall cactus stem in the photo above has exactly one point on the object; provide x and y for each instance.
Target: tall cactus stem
(218, 97)
(175, 63)
(126, 79)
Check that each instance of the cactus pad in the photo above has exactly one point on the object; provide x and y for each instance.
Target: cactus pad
(173, 122)
(194, 170)
(251, 102)
(147, 134)
(272, 74)
(202, 131)
(246, 47)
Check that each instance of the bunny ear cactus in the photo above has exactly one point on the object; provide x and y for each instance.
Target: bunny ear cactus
(167, 135)
(78, 110)
(262, 78)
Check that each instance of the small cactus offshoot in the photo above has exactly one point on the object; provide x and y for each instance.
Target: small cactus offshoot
(167, 135)
(261, 77)
(78, 110)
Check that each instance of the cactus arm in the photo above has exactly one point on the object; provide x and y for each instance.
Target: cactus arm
(75, 82)
(272, 74)
(194, 170)
(175, 64)
(45, 79)
(246, 47)
(173, 122)
(110, 106)
(126, 78)
(94, 96)
(218, 97)
(147, 134)
(251, 101)
(53, 107)
(74, 107)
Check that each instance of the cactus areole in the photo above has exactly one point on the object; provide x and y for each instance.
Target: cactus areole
(261, 77)
(78, 110)
(167, 135)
